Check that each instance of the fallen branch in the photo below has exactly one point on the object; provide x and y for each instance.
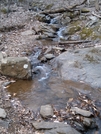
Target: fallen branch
(69, 9)
(96, 15)
(74, 42)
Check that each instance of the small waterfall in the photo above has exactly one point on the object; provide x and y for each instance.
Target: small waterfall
(44, 72)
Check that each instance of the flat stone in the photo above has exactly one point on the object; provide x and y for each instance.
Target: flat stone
(28, 32)
(2, 113)
(81, 111)
(62, 130)
(17, 67)
(46, 111)
(54, 128)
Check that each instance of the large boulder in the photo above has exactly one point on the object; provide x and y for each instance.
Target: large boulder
(81, 65)
(17, 67)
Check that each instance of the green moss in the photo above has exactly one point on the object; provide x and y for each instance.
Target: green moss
(49, 6)
(4, 10)
(86, 32)
(74, 29)
(90, 58)
(94, 50)
(77, 64)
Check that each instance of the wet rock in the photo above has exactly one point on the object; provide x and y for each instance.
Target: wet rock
(81, 111)
(54, 128)
(17, 67)
(46, 111)
(80, 65)
(2, 113)
(28, 32)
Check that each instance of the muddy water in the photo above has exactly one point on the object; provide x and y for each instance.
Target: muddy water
(48, 88)
(42, 91)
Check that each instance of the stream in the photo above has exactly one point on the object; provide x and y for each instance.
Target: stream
(46, 87)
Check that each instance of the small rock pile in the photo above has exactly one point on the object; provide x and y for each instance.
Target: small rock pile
(79, 114)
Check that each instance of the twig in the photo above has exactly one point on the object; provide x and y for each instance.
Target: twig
(74, 42)
(96, 15)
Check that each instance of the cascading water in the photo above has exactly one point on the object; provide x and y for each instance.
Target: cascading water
(44, 72)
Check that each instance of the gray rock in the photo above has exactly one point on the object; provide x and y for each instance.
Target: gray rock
(63, 19)
(79, 126)
(2, 113)
(49, 56)
(28, 32)
(80, 65)
(54, 128)
(18, 67)
(62, 130)
(81, 111)
(46, 111)
(4, 124)
(89, 122)
(42, 17)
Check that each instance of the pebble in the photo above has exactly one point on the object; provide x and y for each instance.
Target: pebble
(46, 111)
